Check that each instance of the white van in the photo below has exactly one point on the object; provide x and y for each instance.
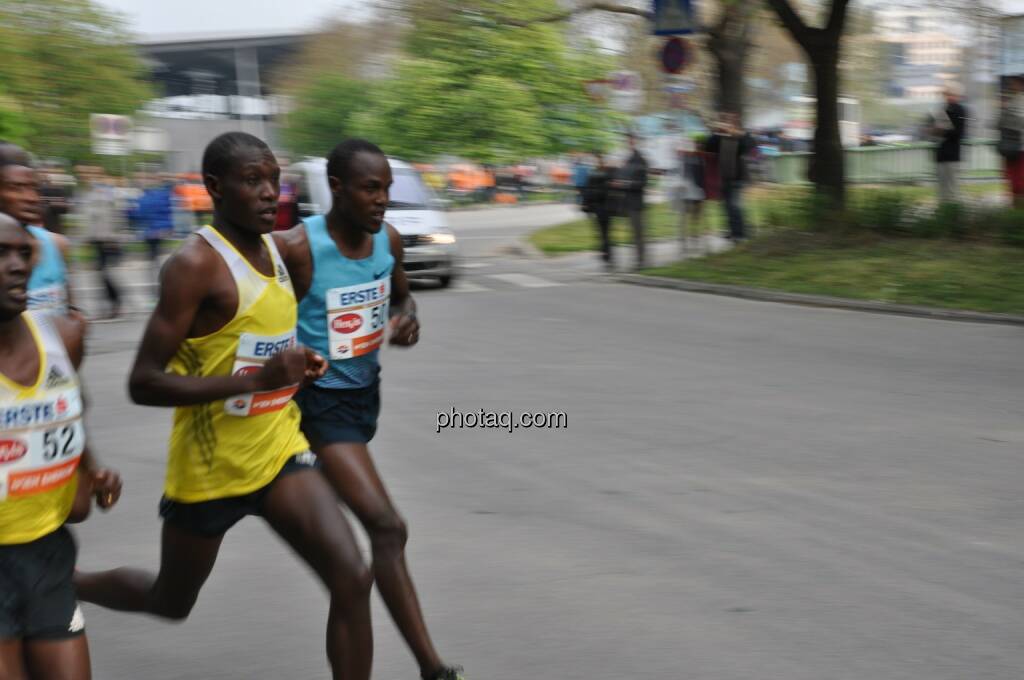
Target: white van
(413, 210)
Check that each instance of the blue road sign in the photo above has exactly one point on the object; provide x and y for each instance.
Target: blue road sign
(674, 17)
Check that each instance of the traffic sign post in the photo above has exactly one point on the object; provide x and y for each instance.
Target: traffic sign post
(674, 17)
(676, 55)
(111, 134)
(626, 90)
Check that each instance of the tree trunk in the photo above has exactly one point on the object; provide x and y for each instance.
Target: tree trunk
(729, 44)
(731, 64)
(822, 46)
(827, 169)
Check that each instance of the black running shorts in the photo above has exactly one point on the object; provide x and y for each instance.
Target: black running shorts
(37, 597)
(213, 518)
(333, 416)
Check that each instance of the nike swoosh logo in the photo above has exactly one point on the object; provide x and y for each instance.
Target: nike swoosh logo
(380, 275)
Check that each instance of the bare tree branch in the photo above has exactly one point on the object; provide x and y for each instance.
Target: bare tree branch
(791, 20)
(837, 17)
(575, 11)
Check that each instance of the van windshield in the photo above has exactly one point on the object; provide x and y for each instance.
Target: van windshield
(408, 191)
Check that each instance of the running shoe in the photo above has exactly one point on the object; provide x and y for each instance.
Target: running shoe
(447, 673)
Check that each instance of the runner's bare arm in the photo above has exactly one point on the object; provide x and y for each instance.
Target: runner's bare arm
(64, 246)
(293, 245)
(93, 479)
(405, 327)
(185, 284)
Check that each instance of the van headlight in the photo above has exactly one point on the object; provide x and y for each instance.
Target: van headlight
(442, 238)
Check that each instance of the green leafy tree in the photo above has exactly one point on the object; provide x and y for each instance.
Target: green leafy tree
(13, 123)
(486, 89)
(467, 80)
(329, 104)
(63, 60)
(424, 111)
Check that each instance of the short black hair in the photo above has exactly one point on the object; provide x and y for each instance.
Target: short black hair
(12, 154)
(220, 153)
(339, 162)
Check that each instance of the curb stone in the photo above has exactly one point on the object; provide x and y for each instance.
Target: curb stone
(766, 295)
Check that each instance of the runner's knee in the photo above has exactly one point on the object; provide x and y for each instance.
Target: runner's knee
(173, 611)
(351, 583)
(172, 606)
(388, 531)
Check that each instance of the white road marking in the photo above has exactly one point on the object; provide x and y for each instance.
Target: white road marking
(525, 280)
(460, 286)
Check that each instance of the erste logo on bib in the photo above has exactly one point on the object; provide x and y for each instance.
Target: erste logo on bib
(12, 450)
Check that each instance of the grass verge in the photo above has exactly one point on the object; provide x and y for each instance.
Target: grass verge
(983, 277)
(767, 207)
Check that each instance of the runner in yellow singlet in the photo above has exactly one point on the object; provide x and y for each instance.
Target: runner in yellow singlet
(42, 446)
(220, 347)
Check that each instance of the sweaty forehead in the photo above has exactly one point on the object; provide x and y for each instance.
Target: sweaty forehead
(366, 164)
(12, 234)
(17, 174)
(250, 156)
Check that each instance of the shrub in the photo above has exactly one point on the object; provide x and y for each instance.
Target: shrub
(1009, 225)
(897, 211)
(949, 220)
(883, 210)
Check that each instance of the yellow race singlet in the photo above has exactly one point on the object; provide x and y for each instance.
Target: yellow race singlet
(238, 445)
(41, 441)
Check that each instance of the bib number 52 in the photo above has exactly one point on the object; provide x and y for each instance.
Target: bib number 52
(58, 442)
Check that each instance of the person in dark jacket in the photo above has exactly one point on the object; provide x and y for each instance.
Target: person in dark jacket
(950, 127)
(595, 201)
(631, 180)
(731, 144)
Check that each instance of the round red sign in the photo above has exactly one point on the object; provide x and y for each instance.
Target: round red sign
(675, 55)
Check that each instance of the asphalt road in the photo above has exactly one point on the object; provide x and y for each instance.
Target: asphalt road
(743, 491)
(491, 231)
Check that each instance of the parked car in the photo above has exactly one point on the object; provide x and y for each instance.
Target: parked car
(413, 210)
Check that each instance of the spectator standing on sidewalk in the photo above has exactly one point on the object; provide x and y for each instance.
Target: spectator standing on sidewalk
(154, 214)
(103, 218)
(1011, 139)
(732, 144)
(950, 128)
(689, 187)
(632, 180)
(580, 174)
(595, 201)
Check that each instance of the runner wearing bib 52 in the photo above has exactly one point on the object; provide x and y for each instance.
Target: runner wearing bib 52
(42, 445)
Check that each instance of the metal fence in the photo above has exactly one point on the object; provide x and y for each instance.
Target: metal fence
(890, 164)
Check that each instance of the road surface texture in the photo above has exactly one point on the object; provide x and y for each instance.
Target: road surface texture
(743, 491)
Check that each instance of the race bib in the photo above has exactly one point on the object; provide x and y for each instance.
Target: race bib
(253, 352)
(356, 317)
(41, 444)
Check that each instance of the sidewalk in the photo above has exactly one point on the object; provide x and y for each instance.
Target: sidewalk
(659, 254)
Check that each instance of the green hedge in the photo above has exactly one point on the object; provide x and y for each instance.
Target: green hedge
(910, 212)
